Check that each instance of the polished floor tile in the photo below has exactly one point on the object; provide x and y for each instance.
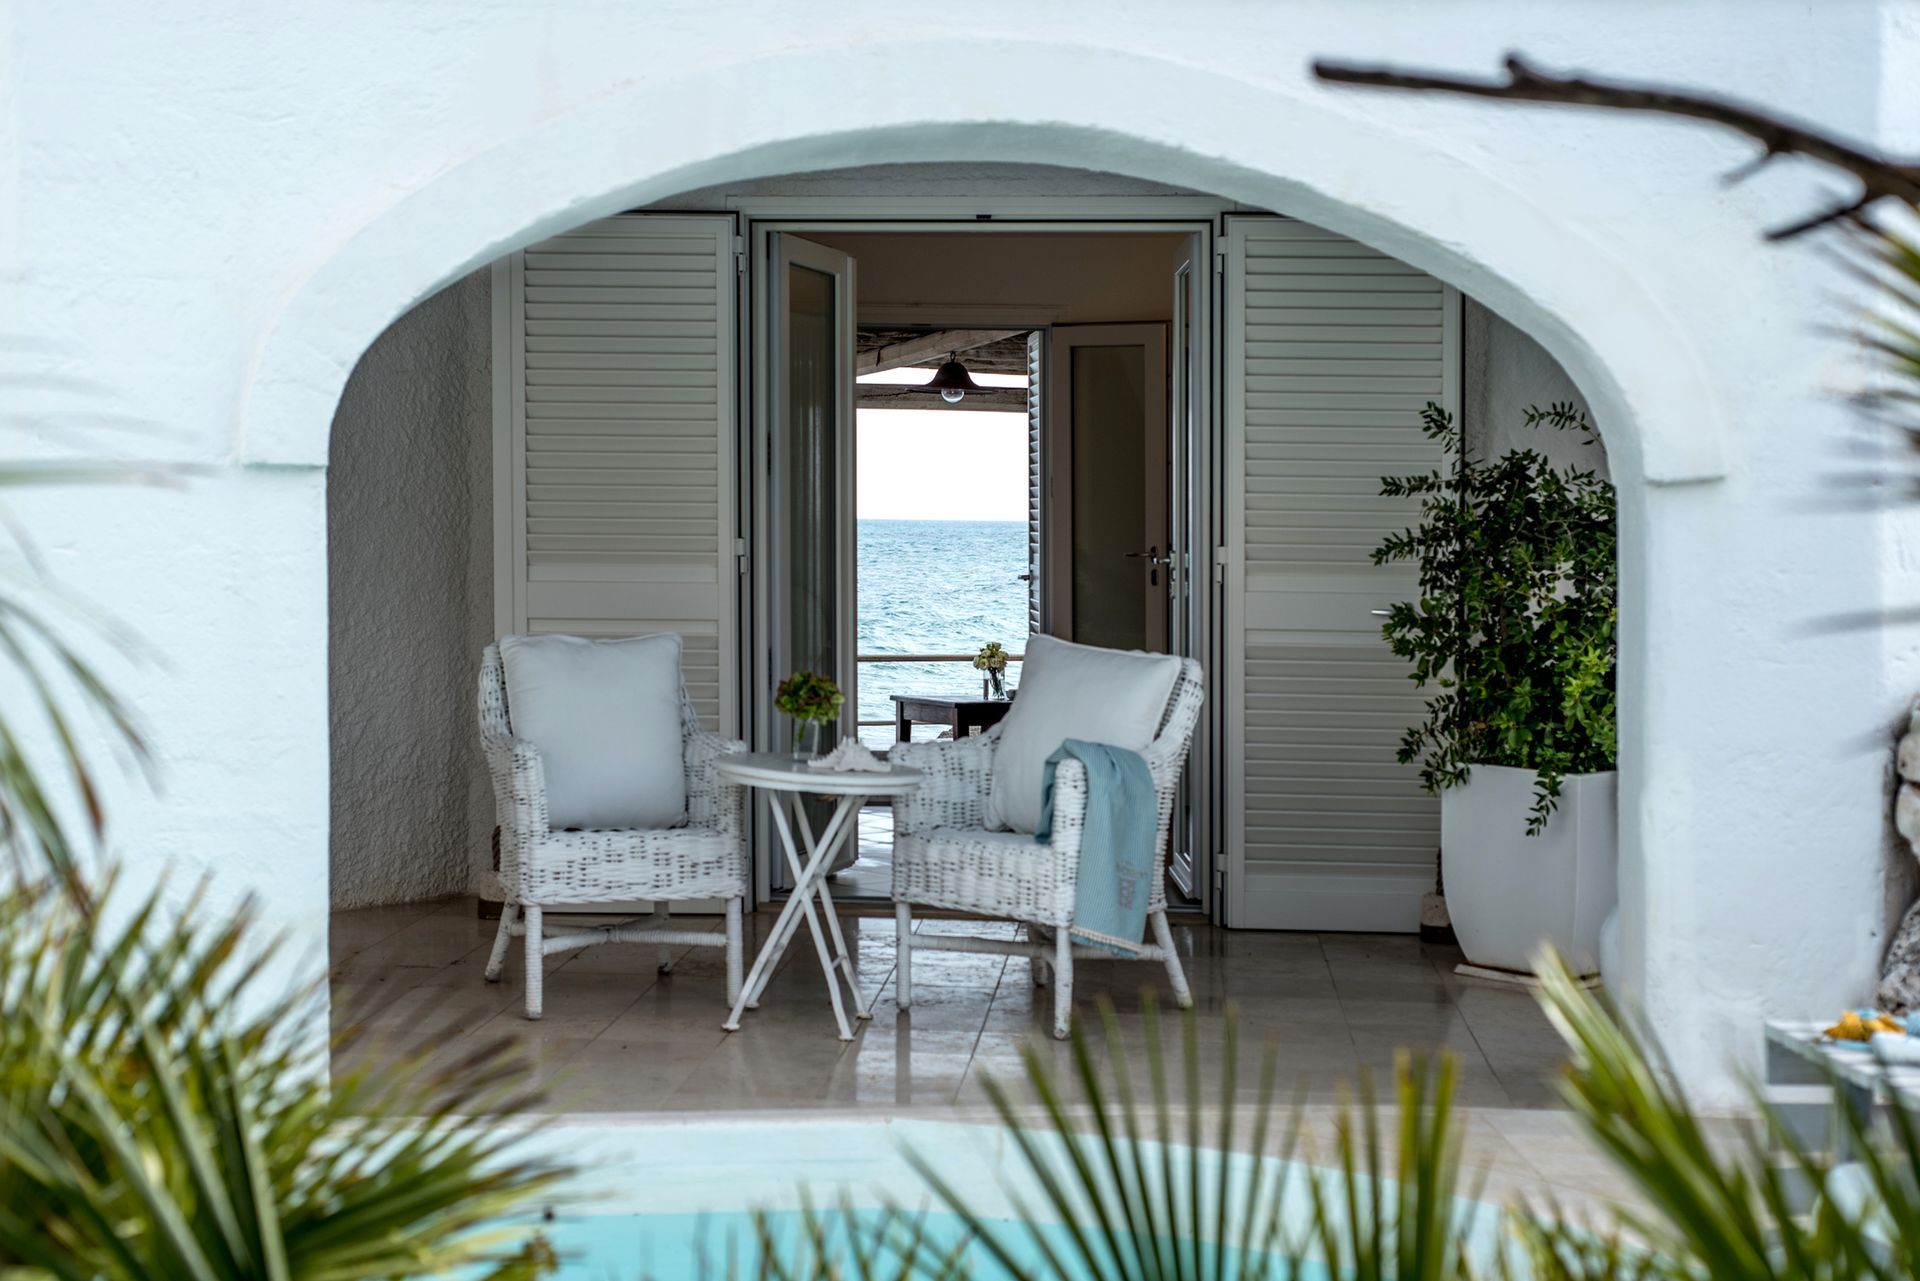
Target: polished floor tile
(1328, 1012)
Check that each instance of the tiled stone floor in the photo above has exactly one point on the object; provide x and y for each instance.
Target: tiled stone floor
(636, 1040)
(871, 876)
(620, 1038)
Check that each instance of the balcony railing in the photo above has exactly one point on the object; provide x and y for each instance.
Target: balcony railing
(918, 658)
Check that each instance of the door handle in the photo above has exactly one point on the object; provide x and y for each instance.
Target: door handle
(1155, 563)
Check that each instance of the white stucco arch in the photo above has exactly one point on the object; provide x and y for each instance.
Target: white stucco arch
(1319, 154)
(659, 136)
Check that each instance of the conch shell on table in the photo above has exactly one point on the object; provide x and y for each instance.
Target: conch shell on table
(850, 757)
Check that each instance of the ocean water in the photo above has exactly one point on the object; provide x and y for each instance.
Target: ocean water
(936, 587)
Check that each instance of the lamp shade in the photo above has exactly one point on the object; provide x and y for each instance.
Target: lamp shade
(952, 381)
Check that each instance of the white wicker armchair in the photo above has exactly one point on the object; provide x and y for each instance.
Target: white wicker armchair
(705, 858)
(944, 855)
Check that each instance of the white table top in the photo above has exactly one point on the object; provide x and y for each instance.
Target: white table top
(1853, 1063)
(780, 772)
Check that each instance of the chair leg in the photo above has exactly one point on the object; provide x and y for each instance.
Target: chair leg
(1063, 985)
(1042, 972)
(902, 955)
(733, 952)
(1163, 938)
(666, 952)
(502, 939)
(535, 958)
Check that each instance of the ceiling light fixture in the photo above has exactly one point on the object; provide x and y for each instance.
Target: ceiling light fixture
(952, 380)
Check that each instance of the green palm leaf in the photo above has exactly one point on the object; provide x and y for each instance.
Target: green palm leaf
(161, 1118)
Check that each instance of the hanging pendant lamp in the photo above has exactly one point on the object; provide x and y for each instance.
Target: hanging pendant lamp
(952, 380)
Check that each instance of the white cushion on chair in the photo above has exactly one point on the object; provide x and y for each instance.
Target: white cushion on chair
(1110, 696)
(605, 715)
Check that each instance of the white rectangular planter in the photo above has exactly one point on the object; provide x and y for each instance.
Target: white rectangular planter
(1509, 892)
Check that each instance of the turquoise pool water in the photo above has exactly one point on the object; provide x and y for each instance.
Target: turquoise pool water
(672, 1246)
(668, 1200)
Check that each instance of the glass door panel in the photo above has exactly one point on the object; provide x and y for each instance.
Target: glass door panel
(813, 445)
(810, 531)
(1109, 485)
(1110, 489)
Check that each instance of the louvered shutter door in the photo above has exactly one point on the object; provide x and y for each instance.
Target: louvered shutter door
(1036, 401)
(1333, 349)
(623, 439)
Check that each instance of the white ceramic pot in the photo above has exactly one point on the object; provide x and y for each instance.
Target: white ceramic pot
(1509, 892)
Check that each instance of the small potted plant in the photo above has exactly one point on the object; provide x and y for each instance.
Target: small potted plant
(1515, 628)
(991, 662)
(814, 702)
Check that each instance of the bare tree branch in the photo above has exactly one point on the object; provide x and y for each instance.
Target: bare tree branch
(1880, 177)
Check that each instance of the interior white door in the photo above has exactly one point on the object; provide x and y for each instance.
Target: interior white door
(615, 441)
(1108, 485)
(1332, 350)
(808, 533)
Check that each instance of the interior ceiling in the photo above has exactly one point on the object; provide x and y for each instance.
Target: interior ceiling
(920, 293)
(982, 351)
(996, 351)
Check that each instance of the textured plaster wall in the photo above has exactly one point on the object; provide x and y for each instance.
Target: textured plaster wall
(210, 209)
(1503, 372)
(410, 602)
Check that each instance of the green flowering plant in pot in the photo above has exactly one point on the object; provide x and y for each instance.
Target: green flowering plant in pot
(1515, 632)
(1516, 623)
(814, 702)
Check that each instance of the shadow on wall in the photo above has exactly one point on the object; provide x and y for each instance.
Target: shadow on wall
(1507, 371)
(410, 604)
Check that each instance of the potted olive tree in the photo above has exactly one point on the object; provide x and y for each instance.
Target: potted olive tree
(1515, 631)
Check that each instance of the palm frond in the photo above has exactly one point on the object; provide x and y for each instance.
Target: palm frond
(1735, 1208)
(1164, 1179)
(160, 1117)
(66, 702)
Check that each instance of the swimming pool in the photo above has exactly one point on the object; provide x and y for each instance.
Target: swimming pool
(670, 1199)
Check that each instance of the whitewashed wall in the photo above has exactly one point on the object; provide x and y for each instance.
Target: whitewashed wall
(209, 210)
(410, 603)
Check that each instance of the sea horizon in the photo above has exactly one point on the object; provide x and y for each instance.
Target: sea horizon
(934, 586)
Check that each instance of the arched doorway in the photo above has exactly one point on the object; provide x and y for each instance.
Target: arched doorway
(1468, 230)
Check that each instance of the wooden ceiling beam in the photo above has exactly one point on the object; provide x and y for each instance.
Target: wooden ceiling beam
(1003, 400)
(929, 348)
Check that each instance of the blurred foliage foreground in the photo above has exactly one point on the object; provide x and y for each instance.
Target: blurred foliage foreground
(163, 1117)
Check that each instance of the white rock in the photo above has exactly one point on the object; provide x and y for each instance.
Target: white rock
(1899, 991)
(1906, 757)
(1906, 812)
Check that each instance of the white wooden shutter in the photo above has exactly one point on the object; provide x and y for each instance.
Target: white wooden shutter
(1333, 348)
(1036, 466)
(620, 395)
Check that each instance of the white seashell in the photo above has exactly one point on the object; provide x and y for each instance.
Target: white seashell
(850, 756)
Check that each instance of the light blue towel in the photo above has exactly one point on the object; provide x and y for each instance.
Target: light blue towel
(1116, 850)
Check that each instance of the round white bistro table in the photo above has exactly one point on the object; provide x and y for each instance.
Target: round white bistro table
(786, 780)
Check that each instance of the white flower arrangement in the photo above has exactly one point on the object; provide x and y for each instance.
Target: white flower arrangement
(991, 658)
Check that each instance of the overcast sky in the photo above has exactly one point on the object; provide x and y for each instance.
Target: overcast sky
(941, 464)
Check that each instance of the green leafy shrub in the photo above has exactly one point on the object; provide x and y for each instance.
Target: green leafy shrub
(1518, 612)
